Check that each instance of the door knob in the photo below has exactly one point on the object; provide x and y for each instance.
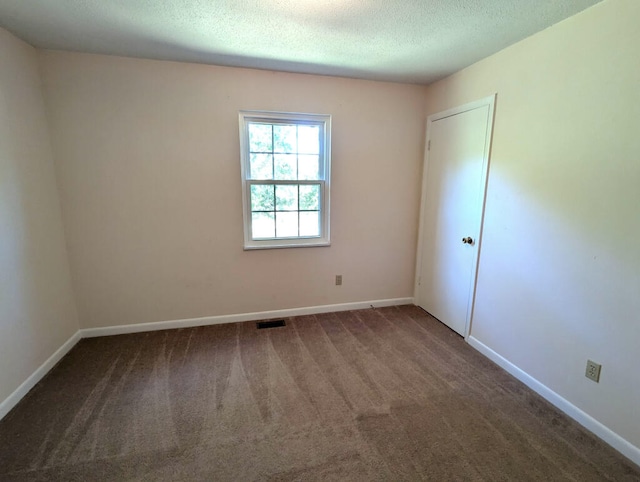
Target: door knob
(467, 240)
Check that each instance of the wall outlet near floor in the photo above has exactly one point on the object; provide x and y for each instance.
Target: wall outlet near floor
(338, 280)
(593, 371)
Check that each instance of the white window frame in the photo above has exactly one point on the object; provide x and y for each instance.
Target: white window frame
(324, 121)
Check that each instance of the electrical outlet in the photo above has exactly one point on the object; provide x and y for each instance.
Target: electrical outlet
(593, 371)
(338, 280)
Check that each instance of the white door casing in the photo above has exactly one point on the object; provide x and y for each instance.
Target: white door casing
(452, 208)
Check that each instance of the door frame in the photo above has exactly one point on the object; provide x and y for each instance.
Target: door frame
(489, 101)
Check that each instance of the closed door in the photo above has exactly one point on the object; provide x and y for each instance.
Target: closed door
(453, 199)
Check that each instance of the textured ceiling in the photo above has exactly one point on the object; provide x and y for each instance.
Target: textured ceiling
(415, 41)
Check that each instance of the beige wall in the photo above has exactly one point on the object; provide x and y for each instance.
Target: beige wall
(37, 311)
(147, 157)
(559, 278)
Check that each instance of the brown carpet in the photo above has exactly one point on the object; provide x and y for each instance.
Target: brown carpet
(385, 394)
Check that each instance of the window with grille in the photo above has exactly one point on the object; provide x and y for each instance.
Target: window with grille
(286, 164)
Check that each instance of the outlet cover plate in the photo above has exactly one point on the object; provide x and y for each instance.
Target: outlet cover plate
(593, 371)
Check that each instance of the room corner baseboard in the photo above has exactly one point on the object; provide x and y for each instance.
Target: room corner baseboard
(238, 318)
(623, 446)
(19, 393)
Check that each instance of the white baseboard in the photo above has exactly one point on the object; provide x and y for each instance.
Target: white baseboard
(237, 318)
(616, 441)
(19, 393)
(13, 399)
(623, 446)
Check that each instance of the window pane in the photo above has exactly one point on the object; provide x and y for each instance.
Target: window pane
(261, 166)
(286, 225)
(286, 198)
(263, 225)
(308, 167)
(260, 138)
(310, 223)
(284, 139)
(285, 166)
(310, 197)
(261, 197)
(309, 139)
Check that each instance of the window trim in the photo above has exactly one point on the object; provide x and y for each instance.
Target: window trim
(269, 117)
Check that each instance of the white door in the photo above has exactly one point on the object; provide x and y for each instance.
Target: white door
(456, 162)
